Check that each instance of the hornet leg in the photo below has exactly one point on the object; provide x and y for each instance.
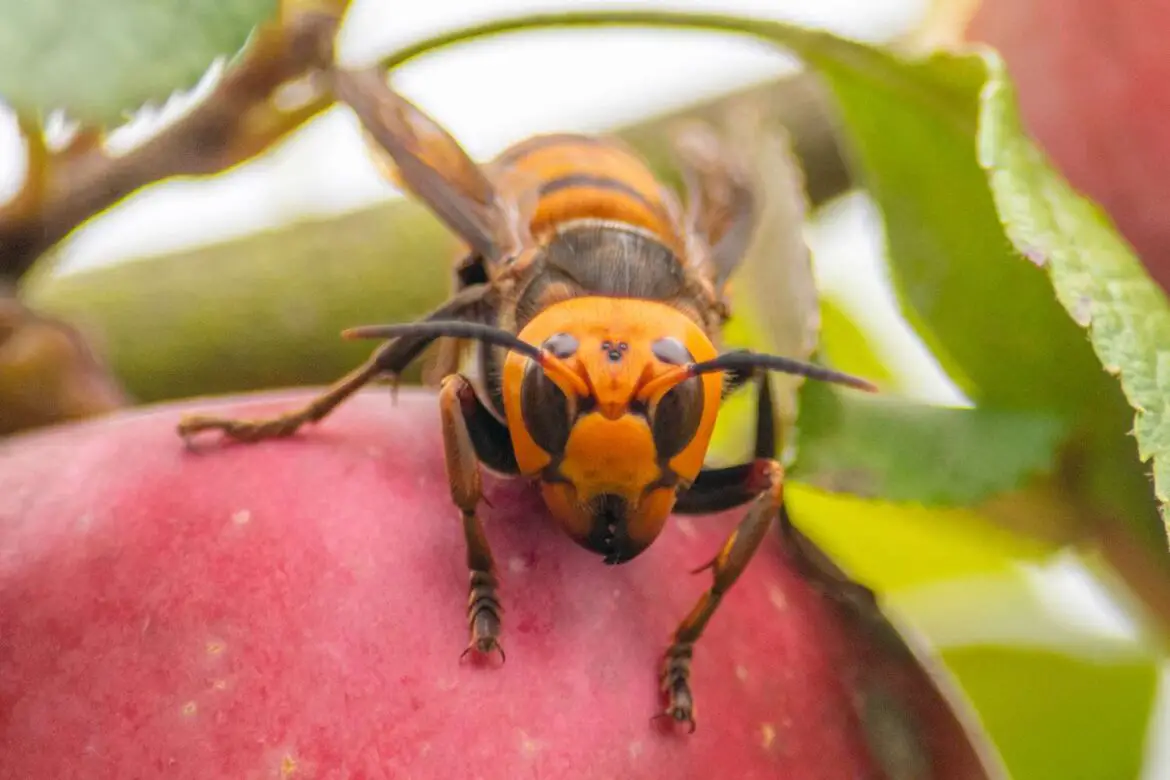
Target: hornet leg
(717, 490)
(286, 424)
(391, 358)
(765, 480)
(458, 405)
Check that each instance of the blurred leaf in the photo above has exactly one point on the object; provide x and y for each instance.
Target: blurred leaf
(1064, 688)
(978, 307)
(889, 545)
(1042, 688)
(99, 60)
(776, 281)
(1054, 715)
(899, 450)
(845, 346)
(215, 334)
(987, 314)
(886, 447)
(1096, 275)
(906, 451)
(1058, 602)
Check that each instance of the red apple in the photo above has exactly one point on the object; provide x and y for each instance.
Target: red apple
(1094, 88)
(296, 608)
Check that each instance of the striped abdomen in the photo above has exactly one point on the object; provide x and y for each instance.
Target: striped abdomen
(587, 178)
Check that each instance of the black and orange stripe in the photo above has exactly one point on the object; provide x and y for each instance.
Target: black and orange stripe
(580, 177)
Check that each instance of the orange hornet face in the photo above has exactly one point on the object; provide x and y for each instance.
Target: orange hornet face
(613, 436)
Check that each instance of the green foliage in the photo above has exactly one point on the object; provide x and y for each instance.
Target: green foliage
(886, 447)
(979, 309)
(1056, 699)
(903, 451)
(898, 450)
(1060, 715)
(891, 546)
(987, 313)
(215, 334)
(100, 60)
(1096, 275)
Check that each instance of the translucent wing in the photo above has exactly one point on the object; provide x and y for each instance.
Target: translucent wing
(423, 157)
(720, 202)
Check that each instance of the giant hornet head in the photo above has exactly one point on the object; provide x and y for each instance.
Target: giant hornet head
(611, 403)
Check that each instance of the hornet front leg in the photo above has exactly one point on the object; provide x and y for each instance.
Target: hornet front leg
(466, 424)
(764, 479)
(760, 482)
(390, 359)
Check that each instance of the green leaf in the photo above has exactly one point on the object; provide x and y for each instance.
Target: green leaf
(903, 451)
(899, 450)
(1097, 277)
(847, 347)
(1057, 698)
(99, 59)
(912, 126)
(206, 296)
(1054, 715)
(892, 546)
(884, 446)
(987, 313)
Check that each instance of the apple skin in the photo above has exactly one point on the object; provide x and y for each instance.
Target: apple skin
(1093, 83)
(296, 608)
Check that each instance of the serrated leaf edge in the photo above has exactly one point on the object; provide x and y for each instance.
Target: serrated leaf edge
(1113, 310)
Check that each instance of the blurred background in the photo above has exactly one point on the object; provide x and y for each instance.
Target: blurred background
(1044, 641)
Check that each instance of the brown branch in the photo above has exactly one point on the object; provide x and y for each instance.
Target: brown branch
(238, 120)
